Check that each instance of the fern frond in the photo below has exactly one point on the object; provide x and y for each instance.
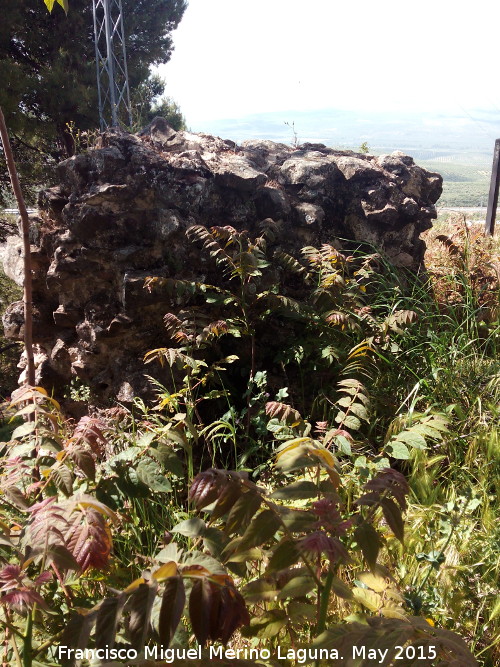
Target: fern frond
(172, 355)
(282, 411)
(449, 244)
(172, 287)
(399, 320)
(402, 436)
(210, 240)
(285, 304)
(291, 264)
(390, 634)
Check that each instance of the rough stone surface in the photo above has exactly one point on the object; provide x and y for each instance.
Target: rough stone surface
(121, 212)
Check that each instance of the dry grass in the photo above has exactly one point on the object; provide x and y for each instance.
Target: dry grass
(464, 265)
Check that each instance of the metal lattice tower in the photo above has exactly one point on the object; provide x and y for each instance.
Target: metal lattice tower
(111, 60)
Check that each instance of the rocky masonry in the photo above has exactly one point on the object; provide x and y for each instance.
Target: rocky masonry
(121, 212)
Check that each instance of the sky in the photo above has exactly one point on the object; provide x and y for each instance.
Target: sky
(235, 58)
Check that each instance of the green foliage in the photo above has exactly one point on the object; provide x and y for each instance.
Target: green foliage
(147, 102)
(9, 354)
(326, 548)
(49, 73)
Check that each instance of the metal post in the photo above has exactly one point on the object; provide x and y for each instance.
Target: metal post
(111, 61)
(489, 227)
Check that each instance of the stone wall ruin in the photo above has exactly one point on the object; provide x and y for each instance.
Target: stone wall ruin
(121, 212)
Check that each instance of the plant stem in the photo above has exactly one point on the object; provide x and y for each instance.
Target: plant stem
(25, 225)
(325, 597)
(13, 631)
(28, 640)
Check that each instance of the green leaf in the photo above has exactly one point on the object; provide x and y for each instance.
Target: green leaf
(392, 610)
(190, 527)
(412, 439)
(128, 455)
(260, 530)
(299, 612)
(297, 587)
(343, 444)
(397, 450)
(297, 521)
(302, 490)
(150, 474)
(63, 479)
(267, 625)
(169, 553)
(341, 589)
(146, 439)
(214, 540)
(24, 429)
(344, 402)
(261, 589)
(242, 511)
(376, 582)
(206, 561)
(284, 555)
(169, 459)
(360, 411)
(348, 420)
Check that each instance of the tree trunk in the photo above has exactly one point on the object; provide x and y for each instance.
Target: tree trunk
(25, 225)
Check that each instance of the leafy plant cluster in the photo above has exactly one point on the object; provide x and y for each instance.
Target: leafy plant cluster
(311, 475)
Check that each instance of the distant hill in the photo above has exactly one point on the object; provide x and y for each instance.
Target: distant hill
(459, 146)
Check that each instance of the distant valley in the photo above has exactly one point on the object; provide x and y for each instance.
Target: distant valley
(459, 146)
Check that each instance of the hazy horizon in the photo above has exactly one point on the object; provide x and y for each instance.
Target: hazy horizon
(233, 60)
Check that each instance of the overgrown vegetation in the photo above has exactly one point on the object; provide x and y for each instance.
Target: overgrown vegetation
(9, 292)
(337, 493)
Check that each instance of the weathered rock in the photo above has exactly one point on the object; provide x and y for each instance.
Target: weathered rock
(121, 212)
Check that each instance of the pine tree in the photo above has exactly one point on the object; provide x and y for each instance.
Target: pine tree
(48, 74)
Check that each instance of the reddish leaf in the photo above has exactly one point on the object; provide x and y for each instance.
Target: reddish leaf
(200, 607)
(83, 459)
(43, 578)
(392, 515)
(88, 538)
(107, 621)
(90, 429)
(10, 575)
(140, 604)
(368, 539)
(22, 599)
(172, 606)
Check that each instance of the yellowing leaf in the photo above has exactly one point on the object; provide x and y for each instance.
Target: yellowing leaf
(165, 571)
(325, 456)
(377, 584)
(134, 585)
(368, 599)
(393, 611)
